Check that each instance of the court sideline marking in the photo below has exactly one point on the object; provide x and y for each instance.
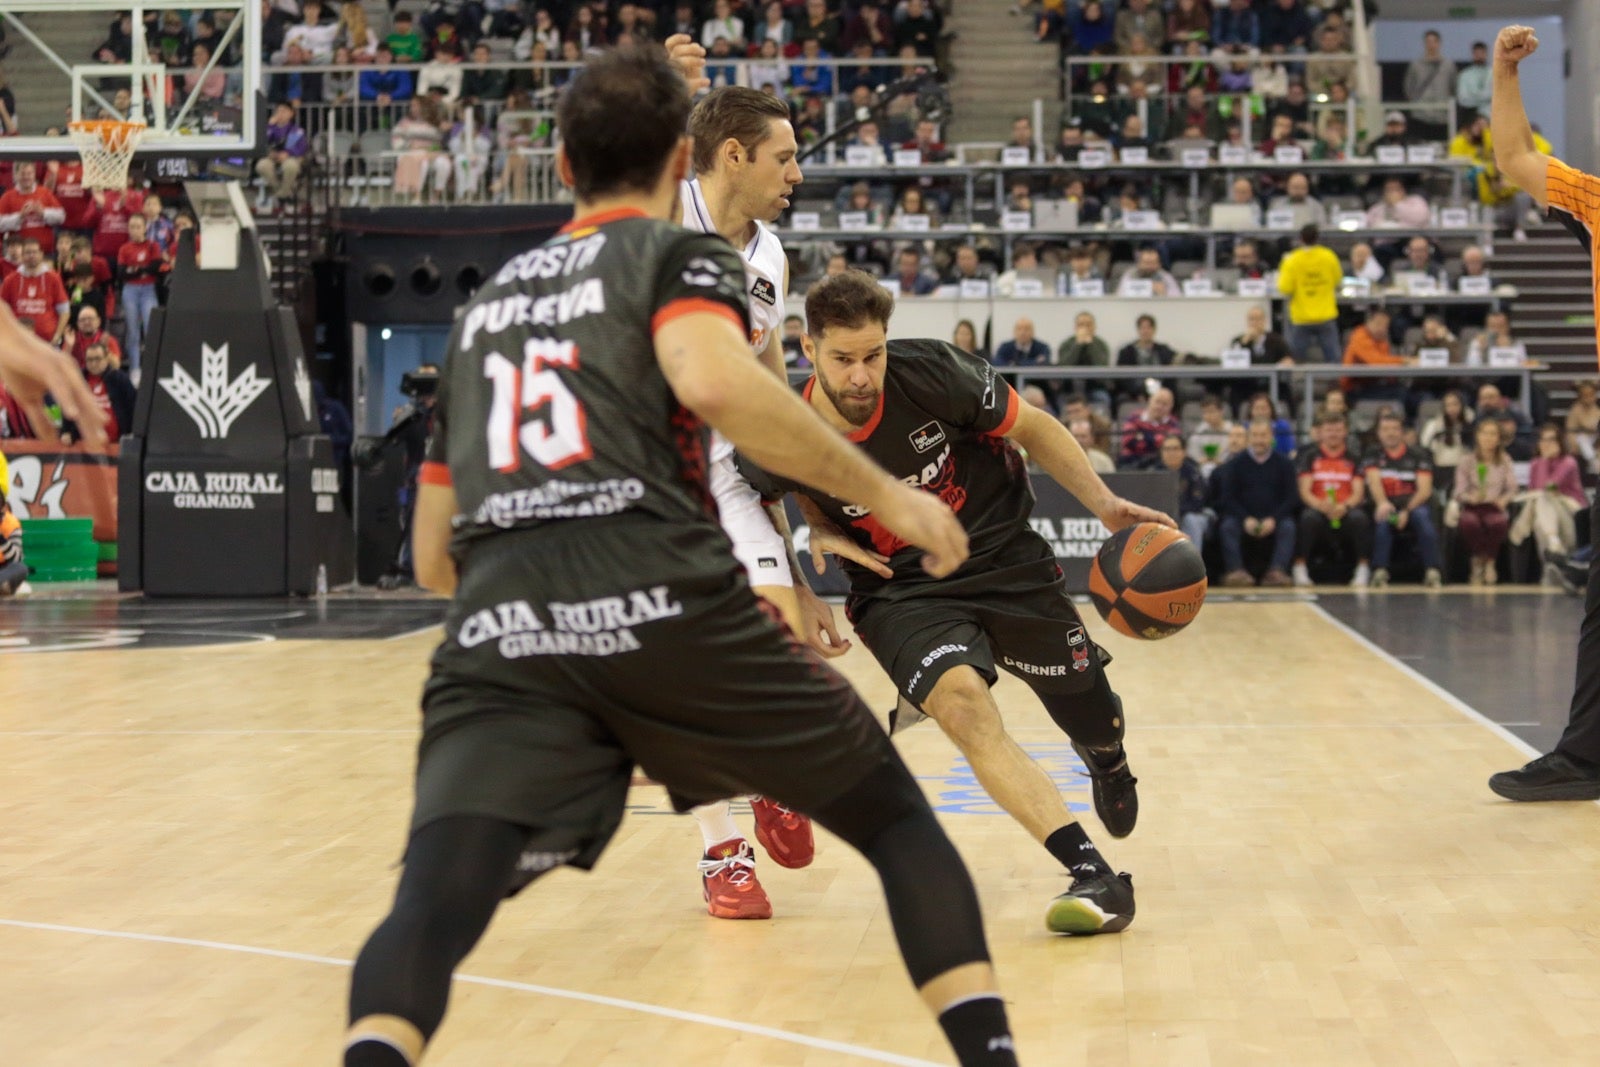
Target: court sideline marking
(822, 1043)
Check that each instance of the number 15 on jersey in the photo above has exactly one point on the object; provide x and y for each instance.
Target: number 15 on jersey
(557, 440)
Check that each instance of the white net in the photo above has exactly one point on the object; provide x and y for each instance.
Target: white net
(107, 148)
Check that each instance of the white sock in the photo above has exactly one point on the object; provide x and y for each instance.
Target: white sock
(716, 823)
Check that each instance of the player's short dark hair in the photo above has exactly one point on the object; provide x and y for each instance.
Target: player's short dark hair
(849, 300)
(620, 118)
(732, 112)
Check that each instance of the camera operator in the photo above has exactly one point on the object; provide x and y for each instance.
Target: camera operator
(412, 425)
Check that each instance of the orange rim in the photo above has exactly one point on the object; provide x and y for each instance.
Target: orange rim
(113, 133)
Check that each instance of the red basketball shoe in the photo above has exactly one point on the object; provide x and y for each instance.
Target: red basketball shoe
(785, 834)
(728, 878)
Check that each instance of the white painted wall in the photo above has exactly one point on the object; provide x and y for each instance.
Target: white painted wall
(1582, 148)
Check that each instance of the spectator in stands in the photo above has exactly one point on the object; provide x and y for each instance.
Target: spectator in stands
(1267, 347)
(631, 27)
(774, 27)
(1322, 71)
(722, 69)
(1554, 495)
(279, 169)
(1256, 495)
(29, 209)
(1194, 517)
(317, 36)
(354, 33)
(1331, 146)
(1474, 264)
(1516, 437)
(384, 85)
(1398, 208)
(1369, 346)
(965, 337)
(1024, 259)
(912, 203)
(1189, 20)
(1143, 351)
(1236, 24)
(1195, 111)
(1310, 276)
(1022, 136)
(1431, 82)
(1297, 106)
(1143, 64)
(1331, 493)
(469, 147)
(84, 291)
(723, 24)
(1448, 436)
(1144, 430)
(586, 30)
(1092, 27)
(1583, 422)
(1485, 486)
(1308, 210)
(443, 74)
(419, 141)
(171, 41)
(1261, 409)
(808, 74)
(1247, 257)
(1473, 83)
(1435, 334)
(819, 25)
(88, 329)
(1081, 268)
(967, 267)
(768, 72)
(1086, 348)
(36, 294)
(1082, 430)
(1400, 481)
(1070, 143)
(113, 389)
(139, 263)
(1285, 27)
(479, 85)
(11, 258)
(342, 87)
(1147, 267)
(1364, 265)
(1396, 134)
(292, 86)
(1139, 17)
(927, 142)
(1208, 441)
(1197, 72)
(918, 30)
(65, 180)
(543, 30)
(913, 278)
(1024, 349)
(213, 87)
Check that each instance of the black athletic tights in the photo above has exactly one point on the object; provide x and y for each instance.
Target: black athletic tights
(458, 869)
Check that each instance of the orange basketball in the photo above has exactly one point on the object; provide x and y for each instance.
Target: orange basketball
(1148, 581)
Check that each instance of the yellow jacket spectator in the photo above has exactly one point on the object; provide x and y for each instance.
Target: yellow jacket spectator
(1309, 276)
(1476, 142)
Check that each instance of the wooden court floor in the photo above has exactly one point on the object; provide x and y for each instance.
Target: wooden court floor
(195, 841)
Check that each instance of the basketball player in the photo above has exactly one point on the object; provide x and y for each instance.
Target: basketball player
(31, 369)
(942, 420)
(745, 170)
(1572, 771)
(599, 618)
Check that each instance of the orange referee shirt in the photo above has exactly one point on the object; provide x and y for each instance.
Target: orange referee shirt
(1578, 194)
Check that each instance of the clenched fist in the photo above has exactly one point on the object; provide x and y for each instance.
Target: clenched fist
(1513, 45)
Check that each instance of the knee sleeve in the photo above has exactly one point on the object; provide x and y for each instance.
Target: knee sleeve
(1092, 715)
(932, 902)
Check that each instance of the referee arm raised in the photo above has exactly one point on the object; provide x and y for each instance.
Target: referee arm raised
(1572, 771)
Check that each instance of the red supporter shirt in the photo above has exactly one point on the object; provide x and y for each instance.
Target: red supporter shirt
(1329, 472)
(97, 386)
(140, 262)
(35, 214)
(82, 341)
(36, 297)
(111, 229)
(75, 200)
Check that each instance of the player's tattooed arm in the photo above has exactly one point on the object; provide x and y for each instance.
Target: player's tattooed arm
(1052, 446)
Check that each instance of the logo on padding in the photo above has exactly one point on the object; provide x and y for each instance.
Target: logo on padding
(214, 403)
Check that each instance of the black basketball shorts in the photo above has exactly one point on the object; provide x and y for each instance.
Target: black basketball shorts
(570, 657)
(1017, 616)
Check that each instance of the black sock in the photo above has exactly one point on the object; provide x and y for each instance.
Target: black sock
(374, 1054)
(979, 1033)
(1073, 850)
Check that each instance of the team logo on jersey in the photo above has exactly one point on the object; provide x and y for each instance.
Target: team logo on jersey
(702, 272)
(214, 403)
(926, 437)
(765, 291)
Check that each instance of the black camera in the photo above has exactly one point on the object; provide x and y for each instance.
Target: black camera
(419, 383)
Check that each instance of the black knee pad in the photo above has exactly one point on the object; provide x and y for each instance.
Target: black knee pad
(878, 801)
(1090, 714)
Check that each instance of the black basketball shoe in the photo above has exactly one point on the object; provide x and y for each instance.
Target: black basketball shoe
(1550, 777)
(1102, 905)
(1116, 800)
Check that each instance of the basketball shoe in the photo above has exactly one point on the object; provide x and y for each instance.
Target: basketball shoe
(1101, 905)
(785, 834)
(728, 878)
(1116, 800)
(1553, 776)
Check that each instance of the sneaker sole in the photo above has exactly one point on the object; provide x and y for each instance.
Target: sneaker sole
(765, 842)
(1079, 917)
(1572, 791)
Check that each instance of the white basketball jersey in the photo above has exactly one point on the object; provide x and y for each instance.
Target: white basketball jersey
(764, 270)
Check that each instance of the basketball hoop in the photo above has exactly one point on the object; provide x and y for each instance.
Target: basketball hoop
(107, 147)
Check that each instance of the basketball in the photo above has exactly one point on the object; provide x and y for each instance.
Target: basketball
(1148, 581)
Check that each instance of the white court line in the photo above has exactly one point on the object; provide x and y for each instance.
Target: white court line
(1431, 686)
(417, 632)
(823, 1043)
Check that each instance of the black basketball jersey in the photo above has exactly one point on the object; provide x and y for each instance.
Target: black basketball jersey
(552, 407)
(1398, 473)
(940, 426)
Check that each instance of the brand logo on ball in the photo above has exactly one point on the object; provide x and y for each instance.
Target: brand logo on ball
(214, 403)
(1144, 542)
(765, 291)
(927, 437)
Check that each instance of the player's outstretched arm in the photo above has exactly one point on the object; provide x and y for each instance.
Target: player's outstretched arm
(1052, 446)
(430, 538)
(1515, 155)
(706, 360)
(29, 368)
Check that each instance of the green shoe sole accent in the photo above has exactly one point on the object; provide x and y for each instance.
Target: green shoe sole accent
(1074, 915)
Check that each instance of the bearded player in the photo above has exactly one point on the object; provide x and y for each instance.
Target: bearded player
(745, 168)
(942, 420)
